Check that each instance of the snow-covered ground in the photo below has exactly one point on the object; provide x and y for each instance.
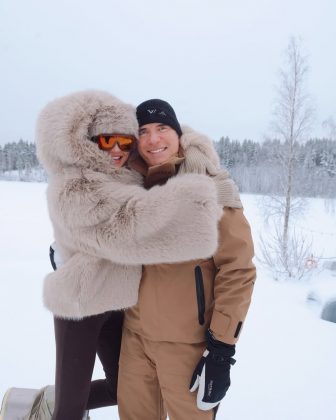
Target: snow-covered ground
(286, 356)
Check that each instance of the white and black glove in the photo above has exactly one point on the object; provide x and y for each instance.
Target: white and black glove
(55, 257)
(212, 374)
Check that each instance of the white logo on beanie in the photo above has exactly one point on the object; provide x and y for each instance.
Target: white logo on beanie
(153, 111)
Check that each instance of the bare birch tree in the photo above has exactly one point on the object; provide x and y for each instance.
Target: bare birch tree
(330, 125)
(292, 118)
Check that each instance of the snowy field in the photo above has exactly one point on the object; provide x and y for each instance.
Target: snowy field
(286, 357)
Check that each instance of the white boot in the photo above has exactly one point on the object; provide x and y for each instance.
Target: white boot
(44, 404)
(17, 402)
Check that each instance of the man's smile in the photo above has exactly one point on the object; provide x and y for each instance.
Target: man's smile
(162, 149)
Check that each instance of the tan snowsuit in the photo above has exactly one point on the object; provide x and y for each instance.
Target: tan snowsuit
(164, 334)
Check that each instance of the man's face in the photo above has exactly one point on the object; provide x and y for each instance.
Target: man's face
(157, 143)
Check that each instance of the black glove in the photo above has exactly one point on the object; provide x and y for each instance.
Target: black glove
(212, 374)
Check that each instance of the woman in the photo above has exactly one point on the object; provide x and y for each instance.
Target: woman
(106, 225)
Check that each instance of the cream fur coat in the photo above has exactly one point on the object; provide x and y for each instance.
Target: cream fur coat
(105, 224)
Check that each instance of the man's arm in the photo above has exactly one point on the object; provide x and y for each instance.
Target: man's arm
(235, 278)
(233, 288)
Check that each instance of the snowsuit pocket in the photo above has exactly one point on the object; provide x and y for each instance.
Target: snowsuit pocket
(200, 294)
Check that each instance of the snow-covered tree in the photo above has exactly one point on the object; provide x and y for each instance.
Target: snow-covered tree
(330, 126)
(292, 118)
(18, 161)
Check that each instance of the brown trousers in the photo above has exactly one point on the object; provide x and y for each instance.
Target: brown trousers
(154, 379)
(77, 343)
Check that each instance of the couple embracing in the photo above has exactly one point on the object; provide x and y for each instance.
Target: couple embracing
(156, 271)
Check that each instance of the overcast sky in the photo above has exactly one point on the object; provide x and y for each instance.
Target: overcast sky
(215, 61)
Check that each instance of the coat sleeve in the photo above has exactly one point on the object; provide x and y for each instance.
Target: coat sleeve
(171, 223)
(235, 278)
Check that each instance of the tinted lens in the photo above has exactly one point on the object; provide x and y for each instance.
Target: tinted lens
(125, 143)
(107, 142)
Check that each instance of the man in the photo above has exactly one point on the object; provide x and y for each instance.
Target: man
(181, 335)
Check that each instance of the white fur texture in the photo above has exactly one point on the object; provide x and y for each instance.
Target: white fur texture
(105, 224)
(201, 157)
(200, 154)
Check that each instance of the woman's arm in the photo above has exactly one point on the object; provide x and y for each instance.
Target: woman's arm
(169, 223)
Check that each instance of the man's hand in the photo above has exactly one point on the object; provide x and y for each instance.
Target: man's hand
(212, 374)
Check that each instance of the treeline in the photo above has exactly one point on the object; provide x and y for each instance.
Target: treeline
(260, 168)
(256, 167)
(18, 161)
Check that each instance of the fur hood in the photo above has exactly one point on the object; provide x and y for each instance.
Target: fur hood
(65, 125)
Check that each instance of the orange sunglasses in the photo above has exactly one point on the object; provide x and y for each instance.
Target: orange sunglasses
(108, 141)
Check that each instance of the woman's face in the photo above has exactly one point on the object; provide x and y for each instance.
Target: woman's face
(119, 156)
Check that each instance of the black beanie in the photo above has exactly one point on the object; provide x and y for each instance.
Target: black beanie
(157, 111)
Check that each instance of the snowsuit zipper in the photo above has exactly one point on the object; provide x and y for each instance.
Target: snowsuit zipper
(200, 294)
